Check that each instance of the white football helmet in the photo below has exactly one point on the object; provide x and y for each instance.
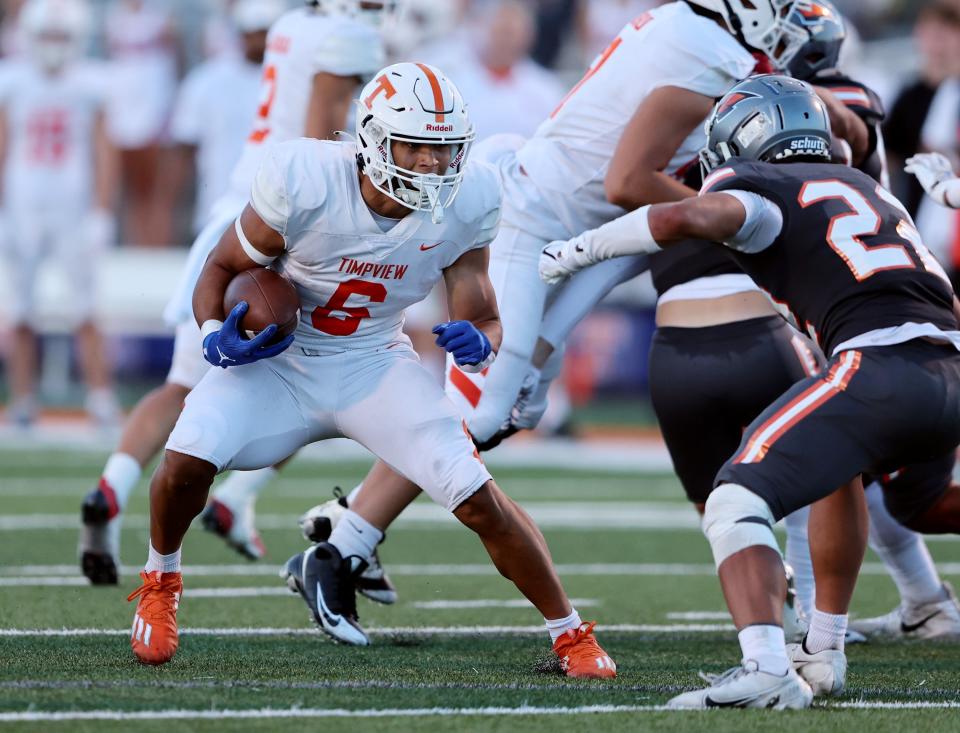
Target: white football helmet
(372, 12)
(762, 25)
(413, 102)
(55, 31)
(250, 16)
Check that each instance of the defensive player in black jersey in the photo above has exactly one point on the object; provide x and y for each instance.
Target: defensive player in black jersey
(928, 607)
(842, 255)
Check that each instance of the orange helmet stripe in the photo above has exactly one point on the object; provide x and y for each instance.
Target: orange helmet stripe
(437, 91)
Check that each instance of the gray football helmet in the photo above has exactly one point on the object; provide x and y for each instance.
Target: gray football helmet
(824, 26)
(770, 118)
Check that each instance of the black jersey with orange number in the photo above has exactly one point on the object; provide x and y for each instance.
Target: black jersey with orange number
(848, 259)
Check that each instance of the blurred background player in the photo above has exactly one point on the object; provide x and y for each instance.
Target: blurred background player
(495, 72)
(316, 57)
(142, 44)
(215, 105)
(57, 193)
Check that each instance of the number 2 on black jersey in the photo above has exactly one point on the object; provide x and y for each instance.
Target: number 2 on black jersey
(845, 230)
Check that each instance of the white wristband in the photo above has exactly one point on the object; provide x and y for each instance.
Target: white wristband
(211, 325)
(477, 368)
(628, 235)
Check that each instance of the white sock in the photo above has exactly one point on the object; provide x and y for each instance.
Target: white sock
(352, 496)
(904, 553)
(558, 627)
(798, 558)
(766, 646)
(121, 474)
(164, 563)
(827, 631)
(241, 487)
(355, 536)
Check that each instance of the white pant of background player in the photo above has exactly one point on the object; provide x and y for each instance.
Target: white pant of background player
(253, 416)
(529, 308)
(188, 365)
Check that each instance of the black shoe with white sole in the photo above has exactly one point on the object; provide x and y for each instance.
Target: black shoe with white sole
(327, 583)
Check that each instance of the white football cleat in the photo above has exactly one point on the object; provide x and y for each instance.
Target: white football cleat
(747, 687)
(825, 671)
(936, 620)
(235, 526)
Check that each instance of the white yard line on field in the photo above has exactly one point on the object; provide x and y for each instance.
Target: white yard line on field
(566, 514)
(493, 603)
(698, 615)
(296, 712)
(383, 631)
(40, 574)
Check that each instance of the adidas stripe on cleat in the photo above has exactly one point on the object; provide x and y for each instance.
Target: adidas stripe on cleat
(581, 656)
(153, 636)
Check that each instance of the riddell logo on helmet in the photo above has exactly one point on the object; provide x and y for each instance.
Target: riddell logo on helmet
(438, 128)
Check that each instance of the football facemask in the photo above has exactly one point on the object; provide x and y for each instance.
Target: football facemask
(417, 104)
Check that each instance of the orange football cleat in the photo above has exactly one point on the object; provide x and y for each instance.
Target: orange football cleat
(581, 655)
(154, 634)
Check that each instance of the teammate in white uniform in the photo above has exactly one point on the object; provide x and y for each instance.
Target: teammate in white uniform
(58, 182)
(141, 42)
(377, 230)
(215, 105)
(315, 58)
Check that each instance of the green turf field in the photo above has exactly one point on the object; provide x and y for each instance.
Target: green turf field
(457, 652)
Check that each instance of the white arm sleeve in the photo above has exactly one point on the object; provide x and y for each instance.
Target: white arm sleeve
(763, 223)
(268, 196)
(628, 235)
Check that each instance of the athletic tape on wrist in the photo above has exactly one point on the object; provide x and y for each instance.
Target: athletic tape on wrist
(252, 252)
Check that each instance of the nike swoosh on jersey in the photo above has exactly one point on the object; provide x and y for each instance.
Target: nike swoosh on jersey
(425, 247)
(909, 628)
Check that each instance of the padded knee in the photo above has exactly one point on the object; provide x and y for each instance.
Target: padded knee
(734, 519)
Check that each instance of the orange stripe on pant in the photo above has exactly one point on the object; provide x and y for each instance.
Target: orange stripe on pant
(467, 388)
(799, 407)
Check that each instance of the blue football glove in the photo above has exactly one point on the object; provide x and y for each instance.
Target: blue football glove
(469, 345)
(228, 347)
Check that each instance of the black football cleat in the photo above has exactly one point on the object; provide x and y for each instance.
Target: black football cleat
(99, 536)
(327, 584)
(317, 524)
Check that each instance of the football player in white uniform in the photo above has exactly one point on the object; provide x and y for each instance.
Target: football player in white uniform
(316, 57)
(375, 224)
(59, 175)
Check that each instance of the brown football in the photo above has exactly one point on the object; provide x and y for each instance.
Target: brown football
(271, 299)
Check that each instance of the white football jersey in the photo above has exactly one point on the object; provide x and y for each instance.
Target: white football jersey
(300, 45)
(354, 279)
(50, 134)
(568, 157)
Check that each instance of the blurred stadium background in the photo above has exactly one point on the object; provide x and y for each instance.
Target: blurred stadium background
(513, 61)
